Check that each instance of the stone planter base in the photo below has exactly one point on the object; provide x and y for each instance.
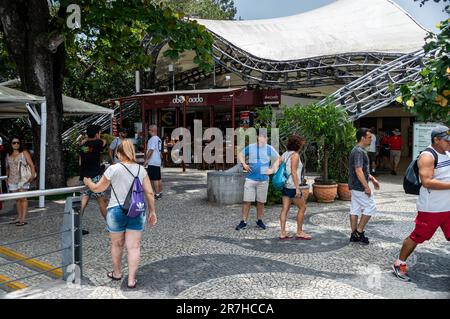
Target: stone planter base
(343, 192)
(225, 187)
(325, 193)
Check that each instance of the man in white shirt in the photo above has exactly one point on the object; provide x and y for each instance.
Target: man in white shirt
(372, 153)
(153, 160)
(433, 203)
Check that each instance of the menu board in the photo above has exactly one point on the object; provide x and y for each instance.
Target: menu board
(422, 136)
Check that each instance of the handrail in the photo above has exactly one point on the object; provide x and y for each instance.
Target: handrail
(2, 178)
(45, 192)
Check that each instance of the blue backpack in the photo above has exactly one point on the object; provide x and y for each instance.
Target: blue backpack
(411, 181)
(134, 204)
(280, 178)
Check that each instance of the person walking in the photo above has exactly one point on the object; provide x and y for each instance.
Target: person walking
(385, 151)
(433, 203)
(115, 144)
(395, 144)
(363, 205)
(153, 160)
(90, 166)
(291, 191)
(257, 180)
(123, 230)
(20, 172)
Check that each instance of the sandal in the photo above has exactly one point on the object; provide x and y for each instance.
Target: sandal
(132, 286)
(287, 237)
(15, 221)
(111, 276)
(21, 223)
(304, 236)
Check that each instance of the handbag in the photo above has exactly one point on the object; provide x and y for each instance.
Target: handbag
(280, 178)
(24, 171)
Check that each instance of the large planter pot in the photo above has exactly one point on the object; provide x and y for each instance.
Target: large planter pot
(343, 192)
(305, 191)
(225, 187)
(325, 193)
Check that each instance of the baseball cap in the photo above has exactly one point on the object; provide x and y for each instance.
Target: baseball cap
(396, 131)
(442, 132)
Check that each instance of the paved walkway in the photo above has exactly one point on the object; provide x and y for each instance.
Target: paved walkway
(194, 251)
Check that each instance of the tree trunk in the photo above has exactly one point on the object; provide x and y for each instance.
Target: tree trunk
(27, 33)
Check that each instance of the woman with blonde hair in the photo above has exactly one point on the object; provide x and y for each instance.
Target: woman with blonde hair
(125, 230)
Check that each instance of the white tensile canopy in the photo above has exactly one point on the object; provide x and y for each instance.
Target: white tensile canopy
(342, 27)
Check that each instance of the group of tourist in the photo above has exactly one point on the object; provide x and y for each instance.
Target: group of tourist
(259, 160)
(385, 150)
(433, 203)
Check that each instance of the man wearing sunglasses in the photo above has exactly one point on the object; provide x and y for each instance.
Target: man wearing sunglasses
(433, 204)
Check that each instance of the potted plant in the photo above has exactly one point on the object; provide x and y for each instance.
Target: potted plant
(338, 166)
(329, 127)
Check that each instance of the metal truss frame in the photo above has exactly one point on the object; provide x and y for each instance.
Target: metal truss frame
(329, 70)
(379, 87)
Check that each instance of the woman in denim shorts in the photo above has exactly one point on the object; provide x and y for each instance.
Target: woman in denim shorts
(291, 190)
(123, 229)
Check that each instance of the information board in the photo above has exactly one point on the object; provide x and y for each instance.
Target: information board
(422, 136)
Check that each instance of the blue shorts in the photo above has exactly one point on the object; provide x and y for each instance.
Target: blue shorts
(290, 192)
(118, 222)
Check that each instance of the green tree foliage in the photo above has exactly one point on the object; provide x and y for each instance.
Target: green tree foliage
(428, 98)
(45, 50)
(204, 9)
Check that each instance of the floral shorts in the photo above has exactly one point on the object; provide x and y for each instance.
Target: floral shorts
(90, 193)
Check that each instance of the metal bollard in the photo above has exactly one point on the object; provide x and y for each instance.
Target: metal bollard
(72, 260)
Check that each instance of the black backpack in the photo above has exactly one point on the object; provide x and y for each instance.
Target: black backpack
(411, 181)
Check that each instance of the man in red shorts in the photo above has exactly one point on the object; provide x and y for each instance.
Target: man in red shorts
(433, 204)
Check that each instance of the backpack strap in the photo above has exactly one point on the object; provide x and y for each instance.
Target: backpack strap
(435, 155)
(117, 199)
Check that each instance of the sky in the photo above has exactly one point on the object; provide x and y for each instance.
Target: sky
(428, 15)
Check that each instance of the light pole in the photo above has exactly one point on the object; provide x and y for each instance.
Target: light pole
(172, 73)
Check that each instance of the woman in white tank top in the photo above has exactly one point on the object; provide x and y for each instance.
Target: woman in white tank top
(291, 190)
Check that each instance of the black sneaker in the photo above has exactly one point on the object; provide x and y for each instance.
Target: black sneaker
(400, 272)
(241, 225)
(158, 196)
(84, 232)
(363, 239)
(354, 237)
(261, 224)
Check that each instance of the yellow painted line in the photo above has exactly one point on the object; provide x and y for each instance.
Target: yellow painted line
(33, 263)
(14, 285)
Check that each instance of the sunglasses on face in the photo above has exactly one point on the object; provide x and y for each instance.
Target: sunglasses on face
(15, 142)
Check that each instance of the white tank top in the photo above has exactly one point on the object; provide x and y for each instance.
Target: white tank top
(436, 200)
(290, 182)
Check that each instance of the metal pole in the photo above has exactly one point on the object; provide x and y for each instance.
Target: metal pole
(138, 82)
(42, 157)
(233, 113)
(183, 164)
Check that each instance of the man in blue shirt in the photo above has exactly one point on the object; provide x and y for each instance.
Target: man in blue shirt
(257, 179)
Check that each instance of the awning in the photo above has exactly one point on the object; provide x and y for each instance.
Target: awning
(12, 104)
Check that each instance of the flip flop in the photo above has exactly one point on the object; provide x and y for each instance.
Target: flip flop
(132, 286)
(302, 238)
(111, 276)
(287, 237)
(21, 224)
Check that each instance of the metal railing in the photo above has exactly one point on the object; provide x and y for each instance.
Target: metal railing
(71, 257)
